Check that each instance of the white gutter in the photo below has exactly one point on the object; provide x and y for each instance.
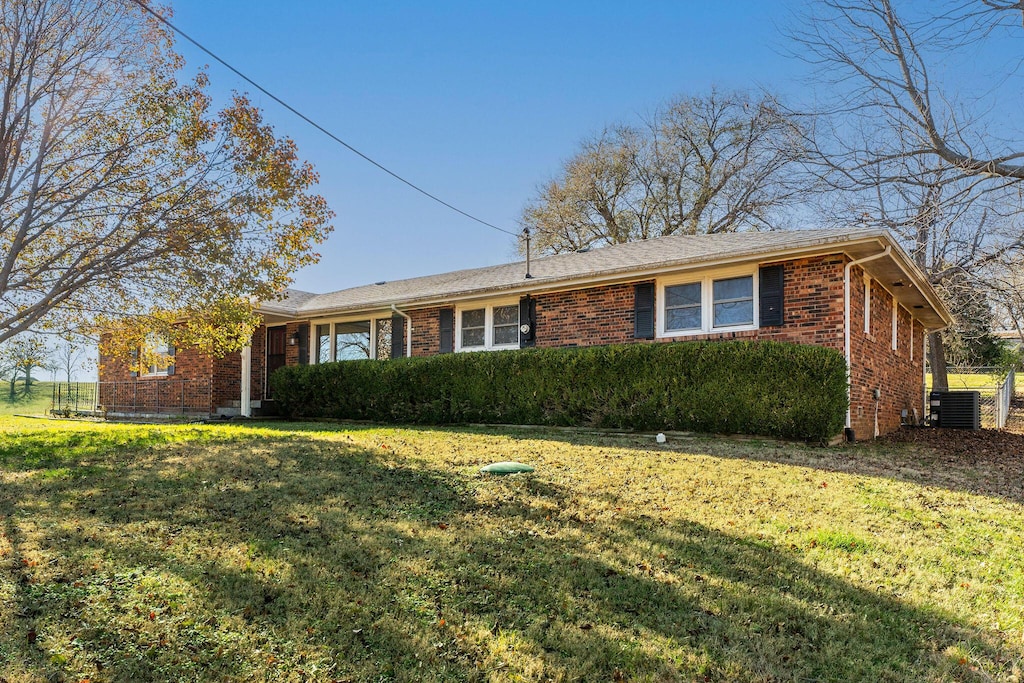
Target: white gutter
(846, 326)
(408, 330)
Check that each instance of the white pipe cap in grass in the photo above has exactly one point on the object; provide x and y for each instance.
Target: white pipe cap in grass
(660, 438)
(507, 467)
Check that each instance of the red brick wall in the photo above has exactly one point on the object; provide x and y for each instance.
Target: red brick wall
(874, 364)
(586, 317)
(227, 380)
(813, 314)
(426, 331)
(187, 390)
(228, 370)
(208, 383)
(813, 306)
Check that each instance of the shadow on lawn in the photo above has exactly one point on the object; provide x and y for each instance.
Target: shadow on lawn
(1000, 477)
(981, 469)
(303, 554)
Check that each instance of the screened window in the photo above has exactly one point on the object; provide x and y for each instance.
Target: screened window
(474, 327)
(506, 325)
(323, 343)
(708, 304)
(682, 307)
(352, 340)
(488, 327)
(733, 301)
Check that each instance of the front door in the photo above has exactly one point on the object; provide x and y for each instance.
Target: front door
(276, 343)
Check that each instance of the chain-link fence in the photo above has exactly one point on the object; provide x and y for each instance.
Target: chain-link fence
(995, 387)
(165, 396)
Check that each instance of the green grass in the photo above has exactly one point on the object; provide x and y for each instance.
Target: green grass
(36, 403)
(293, 552)
(958, 382)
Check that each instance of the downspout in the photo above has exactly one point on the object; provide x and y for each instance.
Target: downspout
(846, 325)
(408, 330)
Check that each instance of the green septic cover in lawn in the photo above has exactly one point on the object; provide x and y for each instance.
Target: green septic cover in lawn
(506, 468)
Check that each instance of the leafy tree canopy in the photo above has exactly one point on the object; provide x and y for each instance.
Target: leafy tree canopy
(126, 201)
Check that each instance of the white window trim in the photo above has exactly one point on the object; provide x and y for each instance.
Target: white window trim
(488, 307)
(707, 313)
(867, 304)
(332, 323)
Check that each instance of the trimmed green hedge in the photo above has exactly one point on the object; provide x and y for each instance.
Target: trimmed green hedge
(726, 387)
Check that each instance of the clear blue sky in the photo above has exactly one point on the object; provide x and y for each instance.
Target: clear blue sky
(478, 102)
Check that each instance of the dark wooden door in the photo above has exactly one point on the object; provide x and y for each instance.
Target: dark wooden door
(277, 342)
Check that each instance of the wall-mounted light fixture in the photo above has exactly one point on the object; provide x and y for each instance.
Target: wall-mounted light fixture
(294, 339)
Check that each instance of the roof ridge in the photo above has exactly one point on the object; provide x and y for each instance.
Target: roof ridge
(566, 266)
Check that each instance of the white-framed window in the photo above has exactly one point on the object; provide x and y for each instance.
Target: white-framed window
(701, 304)
(338, 340)
(683, 307)
(157, 346)
(487, 327)
(867, 305)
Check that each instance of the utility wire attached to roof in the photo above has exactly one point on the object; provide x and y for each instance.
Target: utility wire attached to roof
(313, 123)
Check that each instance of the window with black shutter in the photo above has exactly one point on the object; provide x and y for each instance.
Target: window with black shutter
(527, 322)
(643, 310)
(770, 292)
(397, 336)
(446, 321)
(303, 333)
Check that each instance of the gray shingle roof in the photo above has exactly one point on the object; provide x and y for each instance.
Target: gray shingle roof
(652, 254)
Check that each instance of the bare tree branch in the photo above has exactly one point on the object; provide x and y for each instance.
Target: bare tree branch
(709, 164)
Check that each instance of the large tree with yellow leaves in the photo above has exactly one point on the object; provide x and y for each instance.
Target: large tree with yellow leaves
(124, 196)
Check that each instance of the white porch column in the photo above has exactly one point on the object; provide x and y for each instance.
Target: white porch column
(246, 382)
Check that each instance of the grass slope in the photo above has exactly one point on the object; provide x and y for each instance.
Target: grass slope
(36, 403)
(308, 552)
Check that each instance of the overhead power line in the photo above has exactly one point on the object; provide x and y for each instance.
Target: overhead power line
(313, 123)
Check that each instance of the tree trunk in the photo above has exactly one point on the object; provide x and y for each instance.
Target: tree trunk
(937, 359)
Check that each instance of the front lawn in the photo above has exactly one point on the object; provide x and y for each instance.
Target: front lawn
(322, 552)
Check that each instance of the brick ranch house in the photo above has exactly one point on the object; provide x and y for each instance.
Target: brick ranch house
(855, 291)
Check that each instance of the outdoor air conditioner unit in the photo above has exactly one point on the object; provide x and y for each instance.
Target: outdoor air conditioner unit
(955, 409)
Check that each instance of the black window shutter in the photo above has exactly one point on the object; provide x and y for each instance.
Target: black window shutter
(643, 310)
(527, 316)
(134, 359)
(397, 336)
(303, 333)
(770, 290)
(170, 368)
(446, 318)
